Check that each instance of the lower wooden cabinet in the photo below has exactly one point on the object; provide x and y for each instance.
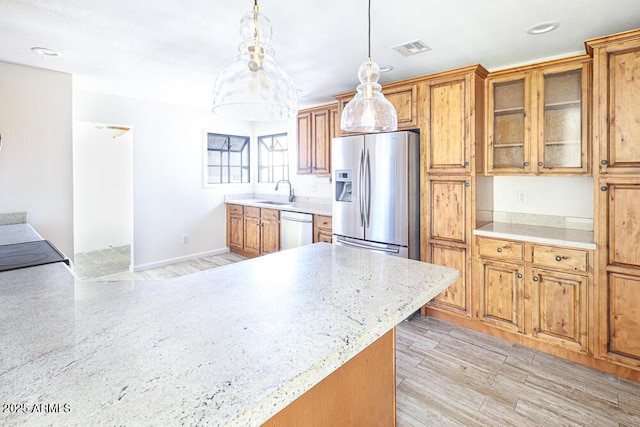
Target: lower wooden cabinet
(540, 291)
(322, 229)
(252, 231)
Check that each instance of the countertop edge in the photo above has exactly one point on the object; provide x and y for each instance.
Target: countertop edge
(537, 239)
(303, 207)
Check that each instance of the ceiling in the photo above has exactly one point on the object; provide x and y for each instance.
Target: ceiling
(172, 50)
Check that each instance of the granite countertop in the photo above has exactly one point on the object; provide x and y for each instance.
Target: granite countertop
(579, 239)
(229, 346)
(284, 205)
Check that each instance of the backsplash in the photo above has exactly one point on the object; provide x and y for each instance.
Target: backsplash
(554, 221)
(13, 218)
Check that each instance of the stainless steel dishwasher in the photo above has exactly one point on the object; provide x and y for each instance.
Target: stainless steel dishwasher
(296, 229)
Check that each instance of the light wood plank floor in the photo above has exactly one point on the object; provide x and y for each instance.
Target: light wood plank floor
(450, 376)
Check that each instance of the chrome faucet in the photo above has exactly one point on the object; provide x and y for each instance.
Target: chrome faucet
(291, 195)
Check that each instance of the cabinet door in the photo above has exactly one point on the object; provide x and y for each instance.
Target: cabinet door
(615, 107)
(457, 296)
(448, 125)
(449, 199)
(321, 141)
(236, 231)
(562, 130)
(501, 295)
(559, 308)
(623, 203)
(252, 236)
(305, 160)
(623, 318)
(404, 99)
(270, 237)
(508, 123)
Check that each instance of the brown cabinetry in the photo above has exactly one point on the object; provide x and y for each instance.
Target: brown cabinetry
(537, 119)
(252, 231)
(315, 129)
(451, 106)
(537, 290)
(322, 229)
(616, 136)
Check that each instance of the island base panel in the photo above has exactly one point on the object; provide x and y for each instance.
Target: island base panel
(361, 392)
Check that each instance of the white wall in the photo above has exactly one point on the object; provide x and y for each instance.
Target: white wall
(36, 156)
(169, 197)
(559, 196)
(102, 188)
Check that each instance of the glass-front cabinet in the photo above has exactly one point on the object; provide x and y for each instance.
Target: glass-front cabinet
(537, 119)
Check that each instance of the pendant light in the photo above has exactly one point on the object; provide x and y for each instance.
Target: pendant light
(369, 111)
(253, 87)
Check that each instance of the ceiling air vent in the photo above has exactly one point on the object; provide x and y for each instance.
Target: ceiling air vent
(411, 48)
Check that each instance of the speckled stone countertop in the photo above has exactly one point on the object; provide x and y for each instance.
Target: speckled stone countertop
(580, 239)
(229, 346)
(295, 206)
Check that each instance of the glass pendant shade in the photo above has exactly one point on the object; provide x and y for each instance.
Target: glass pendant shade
(253, 87)
(369, 111)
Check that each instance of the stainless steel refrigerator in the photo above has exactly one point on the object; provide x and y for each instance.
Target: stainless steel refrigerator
(376, 192)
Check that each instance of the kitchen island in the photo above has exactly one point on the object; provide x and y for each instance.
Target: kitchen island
(229, 346)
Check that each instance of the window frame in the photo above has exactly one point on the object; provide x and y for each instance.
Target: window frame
(245, 168)
(269, 164)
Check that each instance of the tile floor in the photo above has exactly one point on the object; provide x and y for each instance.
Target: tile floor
(102, 262)
(112, 264)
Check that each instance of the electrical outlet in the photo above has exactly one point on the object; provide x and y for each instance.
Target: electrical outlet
(185, 239)
(522, 198)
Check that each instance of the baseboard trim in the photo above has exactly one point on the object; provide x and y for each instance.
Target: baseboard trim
(169, 261)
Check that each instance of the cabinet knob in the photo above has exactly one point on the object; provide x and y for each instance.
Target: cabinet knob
(467, 184)
(558, 258)
(519, 275)
(526, 164)
(540, 164)
(466, 164)
(603, 188)
(499, 250)
(604, 162)
(535, 278)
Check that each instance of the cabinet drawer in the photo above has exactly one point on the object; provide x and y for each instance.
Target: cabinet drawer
(323, 222)
(570, 259)
(270, 214)
(500, 249)
(250, 211)
(235, 209)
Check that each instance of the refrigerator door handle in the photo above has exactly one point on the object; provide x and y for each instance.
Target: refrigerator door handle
(372, 248)
(361, 189)
(368, 189)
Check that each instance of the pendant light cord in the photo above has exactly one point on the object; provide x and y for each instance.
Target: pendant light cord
(369, 36)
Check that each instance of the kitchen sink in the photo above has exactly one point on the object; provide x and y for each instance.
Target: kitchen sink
(271, 202)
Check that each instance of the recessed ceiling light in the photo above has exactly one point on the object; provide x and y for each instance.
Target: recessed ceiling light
(543, 27)
(386, 68)
(45, 51)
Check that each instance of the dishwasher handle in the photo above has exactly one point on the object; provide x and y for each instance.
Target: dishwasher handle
(306, 221)
(297, 217)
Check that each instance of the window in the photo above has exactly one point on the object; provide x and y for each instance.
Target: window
(273, 158)
(227, 159)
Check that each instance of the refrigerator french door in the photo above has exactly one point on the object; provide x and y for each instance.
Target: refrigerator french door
(376, 192)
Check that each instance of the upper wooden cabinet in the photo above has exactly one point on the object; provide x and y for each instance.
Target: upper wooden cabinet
(538, 117)
(451, 117)
(616, 90)
(316, 128)
(403, 96)
(404, 99)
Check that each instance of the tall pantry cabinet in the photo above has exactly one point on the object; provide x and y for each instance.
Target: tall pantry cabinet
(616, 166)
(452, 129)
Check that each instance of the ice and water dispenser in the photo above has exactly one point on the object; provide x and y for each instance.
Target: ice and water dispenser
(343, 185)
